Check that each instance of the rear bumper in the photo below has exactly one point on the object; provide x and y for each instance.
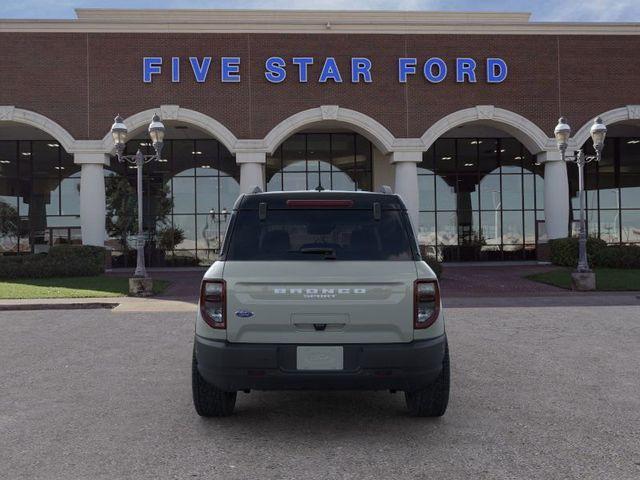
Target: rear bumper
(241, 366)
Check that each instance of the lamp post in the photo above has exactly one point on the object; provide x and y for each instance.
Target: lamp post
(119, 133)
(562, 133)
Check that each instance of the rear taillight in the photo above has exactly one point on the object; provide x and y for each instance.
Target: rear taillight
(212, 303)
(426, 303)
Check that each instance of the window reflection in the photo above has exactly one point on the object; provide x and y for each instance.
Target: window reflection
(477, 202)
(630, 223)
(39, 196)
(612, 191)
(332, 161)
(201, 179)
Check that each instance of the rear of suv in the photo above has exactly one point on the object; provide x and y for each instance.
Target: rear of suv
(320, 290)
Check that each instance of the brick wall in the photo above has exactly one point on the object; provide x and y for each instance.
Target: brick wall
(82, 80)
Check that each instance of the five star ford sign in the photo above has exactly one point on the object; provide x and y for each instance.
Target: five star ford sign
(361, 69)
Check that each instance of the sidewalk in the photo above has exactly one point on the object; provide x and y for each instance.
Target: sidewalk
(463, 286)
(117, 304)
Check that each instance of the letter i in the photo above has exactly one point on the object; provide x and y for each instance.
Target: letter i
(175, 69)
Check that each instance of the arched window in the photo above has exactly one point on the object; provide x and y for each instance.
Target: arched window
(612, 188)
(479, 199)
(201, 180)
(332, 161)
(39, 195)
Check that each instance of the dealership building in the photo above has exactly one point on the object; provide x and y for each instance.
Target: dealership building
(454, 111)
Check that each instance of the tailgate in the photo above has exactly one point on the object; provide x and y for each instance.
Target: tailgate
(318, 302)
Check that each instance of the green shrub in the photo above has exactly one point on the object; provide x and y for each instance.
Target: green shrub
(61, 261)
(564, 251)
(169, 237)
(618, 256)
(181, 261)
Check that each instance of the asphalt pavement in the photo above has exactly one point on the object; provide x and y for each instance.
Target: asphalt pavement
(542, 392)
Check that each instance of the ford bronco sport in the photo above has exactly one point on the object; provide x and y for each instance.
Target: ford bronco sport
(320, 290)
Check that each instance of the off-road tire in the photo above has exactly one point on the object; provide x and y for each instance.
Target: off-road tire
(431, 401)
(208, 400)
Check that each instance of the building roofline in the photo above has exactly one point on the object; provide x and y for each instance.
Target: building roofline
(277, 16)
(311, 22)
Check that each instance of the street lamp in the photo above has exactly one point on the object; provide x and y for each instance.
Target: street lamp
(119, 133)
(598, 133)
(210, 230)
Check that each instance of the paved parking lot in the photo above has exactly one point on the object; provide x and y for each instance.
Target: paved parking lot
(551, 392)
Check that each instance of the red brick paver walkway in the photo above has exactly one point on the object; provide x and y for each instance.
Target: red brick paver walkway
(504, 280)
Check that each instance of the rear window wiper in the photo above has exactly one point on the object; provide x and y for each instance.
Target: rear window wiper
(329, 253)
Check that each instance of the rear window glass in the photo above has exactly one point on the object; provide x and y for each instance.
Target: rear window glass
(298, 234)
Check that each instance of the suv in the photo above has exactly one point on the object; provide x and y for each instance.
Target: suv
(320, 290)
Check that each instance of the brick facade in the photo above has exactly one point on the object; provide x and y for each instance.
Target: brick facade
(80, 80)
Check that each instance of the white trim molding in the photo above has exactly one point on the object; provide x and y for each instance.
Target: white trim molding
(527, 132)
(195, 21)
(10, 113)
(373, 130)
(179, 114)
(629, 112)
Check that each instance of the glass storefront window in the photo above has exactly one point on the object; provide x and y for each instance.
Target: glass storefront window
(490, 192)
(512, 192)
(426, 192)
(630, 191)
(612, 191)
(447, 228)
(445, 156)
(445, 195)
(512, 228)
(477, 201)
(610, 226)
(39, 195)
(201, 179)
(333, 161)
(630, 224)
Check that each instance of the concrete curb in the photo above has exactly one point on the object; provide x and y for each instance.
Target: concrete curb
(57, 306)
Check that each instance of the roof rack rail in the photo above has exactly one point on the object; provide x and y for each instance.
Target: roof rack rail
(386, 189)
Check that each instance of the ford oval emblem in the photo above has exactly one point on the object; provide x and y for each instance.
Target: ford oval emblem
(244, 313)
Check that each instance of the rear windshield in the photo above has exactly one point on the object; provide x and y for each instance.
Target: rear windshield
(319, 235)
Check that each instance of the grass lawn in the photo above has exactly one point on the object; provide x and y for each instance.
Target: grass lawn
(607, 279)
(71, 287)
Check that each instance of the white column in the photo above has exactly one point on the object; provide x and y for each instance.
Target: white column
(406, 181)
(251, 170)
(556, 194)
(92, 197)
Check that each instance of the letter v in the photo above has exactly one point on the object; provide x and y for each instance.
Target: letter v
(200, 71)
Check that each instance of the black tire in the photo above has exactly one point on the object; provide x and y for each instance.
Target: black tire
(432, 401)
(208, 400)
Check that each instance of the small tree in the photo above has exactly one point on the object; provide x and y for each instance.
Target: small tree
(122, 209)
(9, 221)
(169, 237)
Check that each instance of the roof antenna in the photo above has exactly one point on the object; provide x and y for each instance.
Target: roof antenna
(319, 188)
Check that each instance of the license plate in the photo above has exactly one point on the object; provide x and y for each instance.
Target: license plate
(320, 358)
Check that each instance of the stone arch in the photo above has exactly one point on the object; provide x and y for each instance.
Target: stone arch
(527, 132)
(10, 113)
(629, 112)
(373, 130)
(177, 113)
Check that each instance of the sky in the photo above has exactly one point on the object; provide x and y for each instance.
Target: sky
(542, 10)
